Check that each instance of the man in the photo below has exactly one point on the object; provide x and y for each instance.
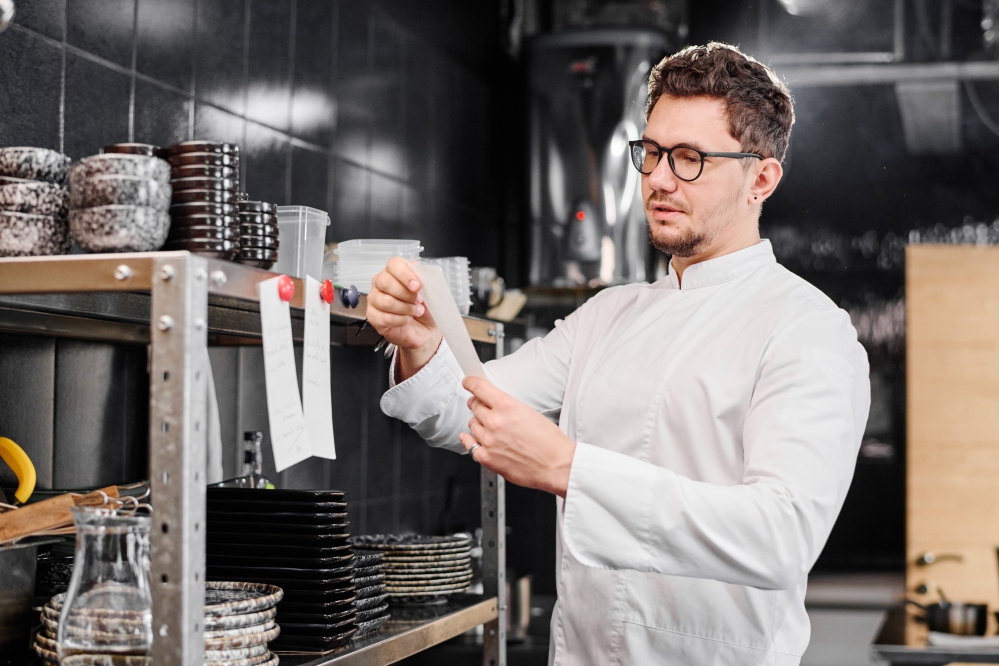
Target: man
(708, 424)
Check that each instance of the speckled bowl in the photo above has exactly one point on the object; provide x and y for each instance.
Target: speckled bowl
(34, 164)
(152, 168)
(119, 228)
(26, 235)
(116, 190)
(36, 198)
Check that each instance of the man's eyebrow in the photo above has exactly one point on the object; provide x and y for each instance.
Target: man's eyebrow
(684, 144)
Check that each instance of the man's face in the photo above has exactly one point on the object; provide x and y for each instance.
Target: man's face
(687, 219)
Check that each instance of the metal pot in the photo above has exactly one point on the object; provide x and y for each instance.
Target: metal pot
(955, 617)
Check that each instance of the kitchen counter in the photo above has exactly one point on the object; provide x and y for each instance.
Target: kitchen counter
(890, 646)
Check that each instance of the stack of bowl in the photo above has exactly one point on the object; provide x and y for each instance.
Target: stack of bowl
(205, 179)
(119, 200)
(258, 233)
(34, 202)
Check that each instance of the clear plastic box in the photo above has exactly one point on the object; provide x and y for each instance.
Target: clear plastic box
(302, 233)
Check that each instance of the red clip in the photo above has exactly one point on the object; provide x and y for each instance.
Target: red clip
(326, 291)
(286, 288)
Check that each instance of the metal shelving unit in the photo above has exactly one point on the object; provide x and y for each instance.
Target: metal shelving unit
(179, 303)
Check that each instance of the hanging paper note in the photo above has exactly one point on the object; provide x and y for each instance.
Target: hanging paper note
(289, 435)
(317, 399)
(444, 310)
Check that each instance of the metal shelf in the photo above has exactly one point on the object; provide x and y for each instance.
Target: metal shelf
(409, 630)
(179, 303)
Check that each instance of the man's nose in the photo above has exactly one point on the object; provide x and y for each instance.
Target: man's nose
(662, 177)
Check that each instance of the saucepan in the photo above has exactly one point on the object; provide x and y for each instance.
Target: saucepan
(954, 617)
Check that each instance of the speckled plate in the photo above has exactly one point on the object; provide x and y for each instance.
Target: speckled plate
(403, 542)
(260, 660)
(213, 622)
(370, 602)
(235, 653)
(365, 581)
(245, 640)
(370, 591)
(119, 190)
(367, 571)
(395, 578)
(425, 569)
(368, 627)
(229, 598)
(453, 559)
(364, 615)
(428, 589)
(367, 557)
(241, 631)
(105, 660)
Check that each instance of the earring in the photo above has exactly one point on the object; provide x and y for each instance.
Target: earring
(755, 198)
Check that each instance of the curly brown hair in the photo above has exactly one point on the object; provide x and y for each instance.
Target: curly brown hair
(759, 106)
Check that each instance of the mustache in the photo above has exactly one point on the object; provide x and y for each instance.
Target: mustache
(664, 199)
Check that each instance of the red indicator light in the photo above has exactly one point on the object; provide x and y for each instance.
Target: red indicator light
(580, 215)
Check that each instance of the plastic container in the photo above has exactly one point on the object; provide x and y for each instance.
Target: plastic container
(302, 236)
(458, 276)
(358, 260)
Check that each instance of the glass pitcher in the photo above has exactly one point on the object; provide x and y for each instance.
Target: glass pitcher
(108, 607)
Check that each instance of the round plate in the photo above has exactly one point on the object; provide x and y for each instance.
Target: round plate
(368, 627)
(203, 196)
(235, 653)
(202, 171)
(256, 254)
(182, 232)
(202, 208)
(367, 571)
(213, 622)
(205, 159)
(401, 578)
(262, 660)
(370, 602)
(105, 660)
(454, 558)
(431, 568)
(370, 591)
(257, 207)
(421, 591)
(400, 555)
(228, 598)
(246, 640)
(258, 242)
(364, 581)
(202, 147)
(259, 230)
(241, 631)
(402, 542)
(203, 220)
(202, 183)
(363, 615)
(255, 218)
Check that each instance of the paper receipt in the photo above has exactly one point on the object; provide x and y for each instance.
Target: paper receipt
(444, 310)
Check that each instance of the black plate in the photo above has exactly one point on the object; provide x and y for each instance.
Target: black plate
(202, 183)
(226, 527)
(203, 233)
(334, 605)
(222, 503)
(366, 592)
(319, 585)
(367, 571)
(316, 629)
(291, 643)
(204, 221)
(255, 218)
(238, 572)
(284, 517)
(312, 596)
(257, 207)
(259, 230)
(206, 159)
(260, 242)
(257, 254)
(202, 246)
(317, 618)
(284, 539)
(275, 495)
(254, 560)
(201, 208)
(203, 196)
(264, 550)
(363, 615)
(202, 171)
(202, 147)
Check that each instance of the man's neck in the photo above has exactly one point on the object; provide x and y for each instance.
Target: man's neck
(715, 250)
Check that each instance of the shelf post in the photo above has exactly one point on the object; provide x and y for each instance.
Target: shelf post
(177, 450)
(494, 553)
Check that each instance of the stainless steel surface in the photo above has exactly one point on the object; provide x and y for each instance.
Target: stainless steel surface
(931, 558)
(494, 565)
(857, 75)
(424, 627)
(177, 427)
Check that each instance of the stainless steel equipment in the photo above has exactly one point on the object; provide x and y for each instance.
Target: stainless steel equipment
(587, 93)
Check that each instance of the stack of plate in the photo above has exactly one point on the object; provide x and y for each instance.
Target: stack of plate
(369, 581)
(205, 179)
(258, 233)
(296, 539)
(458, 276)
(34, 202)
(359, 260)
(119, 201)
(421, 569)
(239, 623)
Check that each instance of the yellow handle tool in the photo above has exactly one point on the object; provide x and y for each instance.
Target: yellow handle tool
(19, 461)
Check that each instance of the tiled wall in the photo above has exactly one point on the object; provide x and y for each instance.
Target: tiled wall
(335, 106)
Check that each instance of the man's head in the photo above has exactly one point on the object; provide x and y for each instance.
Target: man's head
(714, 99)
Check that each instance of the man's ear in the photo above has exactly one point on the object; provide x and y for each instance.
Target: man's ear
(767, 176)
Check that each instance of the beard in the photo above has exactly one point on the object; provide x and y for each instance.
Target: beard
(686, 243)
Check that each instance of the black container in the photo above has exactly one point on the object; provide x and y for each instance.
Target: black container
(257, 254)
(270, 230)
(955, 617)
(203, 196)
(204, 159)
(203, 171)
(201, 208)
(204, 221)
(260, 242)
(222, 246)
(199, 183)
(203, 147)
(203, 233)
(133, 149)
(256, 218)
(257, 207)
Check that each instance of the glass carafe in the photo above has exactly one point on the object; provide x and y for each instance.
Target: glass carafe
(108, 607)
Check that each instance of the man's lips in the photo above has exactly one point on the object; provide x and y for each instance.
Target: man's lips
(661, 211)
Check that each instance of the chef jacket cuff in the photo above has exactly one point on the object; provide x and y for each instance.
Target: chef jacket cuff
(608, 509)
(428, 392)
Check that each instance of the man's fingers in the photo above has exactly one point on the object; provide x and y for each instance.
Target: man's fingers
(392, 305)
(390, 284)
(480, 434)
(404, 273)
(466, 440)
(384, 320)
(486, 393)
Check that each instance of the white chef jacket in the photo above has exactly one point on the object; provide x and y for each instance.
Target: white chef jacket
(717, 429)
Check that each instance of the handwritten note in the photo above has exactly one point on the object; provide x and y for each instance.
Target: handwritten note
(445, 312)
(317, 399)
(289, 435)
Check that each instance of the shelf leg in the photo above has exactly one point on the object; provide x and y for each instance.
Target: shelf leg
(494, 565)
(177, 434)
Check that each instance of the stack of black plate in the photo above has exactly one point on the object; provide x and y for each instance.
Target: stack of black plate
(258, 233)
(205, 179)
(369, 581)
(421, 569)
(296, 539)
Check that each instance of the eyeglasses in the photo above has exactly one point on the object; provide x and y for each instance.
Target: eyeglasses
(686, 163)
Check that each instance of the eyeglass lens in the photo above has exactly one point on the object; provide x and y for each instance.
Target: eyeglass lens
(686, 163)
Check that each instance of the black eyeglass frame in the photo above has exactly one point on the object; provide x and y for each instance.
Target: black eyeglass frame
(672, 165)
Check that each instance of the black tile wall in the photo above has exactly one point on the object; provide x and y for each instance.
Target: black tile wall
(336, 106)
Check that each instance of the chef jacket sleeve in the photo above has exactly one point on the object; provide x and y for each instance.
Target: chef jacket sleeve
(800, 438)
(434, 403)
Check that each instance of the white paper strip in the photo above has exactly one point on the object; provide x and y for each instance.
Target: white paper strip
(289, 436)
(317, 398)
(443, 309)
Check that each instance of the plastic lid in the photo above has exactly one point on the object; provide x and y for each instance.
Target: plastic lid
(379, 245)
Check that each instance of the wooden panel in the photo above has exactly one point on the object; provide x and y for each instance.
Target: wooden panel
(952, 354)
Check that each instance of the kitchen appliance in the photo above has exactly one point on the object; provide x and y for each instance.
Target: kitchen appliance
(587, 94)
(954, 617)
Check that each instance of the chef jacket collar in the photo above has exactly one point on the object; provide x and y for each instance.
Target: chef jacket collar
(724, 268)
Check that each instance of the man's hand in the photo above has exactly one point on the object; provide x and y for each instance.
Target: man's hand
(396, 311)
(517, 442)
